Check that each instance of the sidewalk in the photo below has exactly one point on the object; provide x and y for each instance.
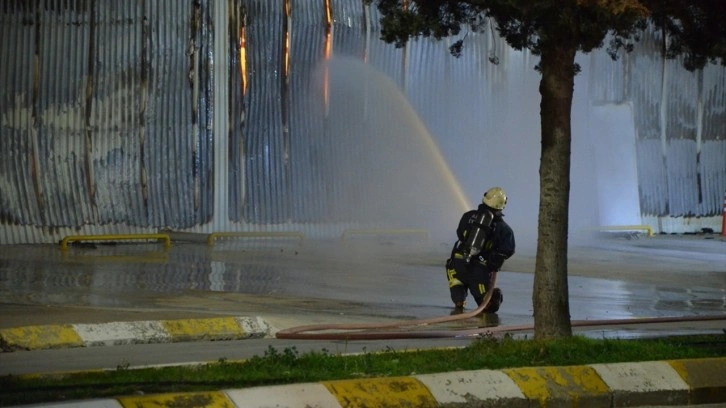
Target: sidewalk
(682, 382)
(646, 384)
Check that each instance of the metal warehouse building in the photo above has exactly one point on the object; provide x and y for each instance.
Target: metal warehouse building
(292, 115)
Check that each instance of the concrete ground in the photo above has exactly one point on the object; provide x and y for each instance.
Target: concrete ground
(295, 282)
(289, 284)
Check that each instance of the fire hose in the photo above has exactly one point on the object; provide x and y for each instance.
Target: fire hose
(394, 330)
(374, 329)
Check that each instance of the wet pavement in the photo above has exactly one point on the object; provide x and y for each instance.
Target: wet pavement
(294, 282)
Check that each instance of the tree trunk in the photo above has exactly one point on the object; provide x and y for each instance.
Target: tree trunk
(550, 295)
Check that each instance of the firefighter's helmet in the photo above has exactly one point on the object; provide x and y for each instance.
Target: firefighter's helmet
(495, 198)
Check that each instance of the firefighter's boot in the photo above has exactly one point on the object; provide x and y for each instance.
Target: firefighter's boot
(495, 302)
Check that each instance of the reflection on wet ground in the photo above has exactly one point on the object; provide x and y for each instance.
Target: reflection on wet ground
(608, 279)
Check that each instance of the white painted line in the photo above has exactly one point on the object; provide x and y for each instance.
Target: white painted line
(461, 386)
(633, 384)
(282, 396)
(254, 327)
(644, 376)
(117, 333)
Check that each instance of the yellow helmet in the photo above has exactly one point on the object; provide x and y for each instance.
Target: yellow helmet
(495, 198)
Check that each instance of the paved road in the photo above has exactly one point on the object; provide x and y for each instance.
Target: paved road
(290, 284)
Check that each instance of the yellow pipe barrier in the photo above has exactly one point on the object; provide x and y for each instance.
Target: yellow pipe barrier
(115, 237)
(151, 257)
(646, 228)
(405, 231)
(290, 234)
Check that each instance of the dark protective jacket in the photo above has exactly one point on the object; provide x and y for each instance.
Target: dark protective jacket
(499, 245)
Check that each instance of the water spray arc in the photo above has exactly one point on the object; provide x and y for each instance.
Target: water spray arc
(442, 166)
(386, 160)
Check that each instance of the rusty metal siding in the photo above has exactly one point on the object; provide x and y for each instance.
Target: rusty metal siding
(608, 83)
(346, 128)
(348, 28)
(384, 57)
(712, 173)
(646, 68)
(682, 198)
(714, 103)
(107, 108)
(291, 158)
(679, 117)
(712, 152)
(647, 86)
(18, 203)
(651, 168)
(453, 88)
(264, 145)
(178, 137)
(110, 115)
(107, 119)
(308, 141)
(237, 112)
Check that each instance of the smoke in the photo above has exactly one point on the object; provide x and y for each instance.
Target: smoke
(419, 159)
(491, 135)
(390, 173)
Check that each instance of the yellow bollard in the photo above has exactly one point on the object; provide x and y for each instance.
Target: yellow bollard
(115, 237)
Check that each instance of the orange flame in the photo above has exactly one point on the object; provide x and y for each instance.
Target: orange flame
(328, 52)
(286, 67)
(243, 59)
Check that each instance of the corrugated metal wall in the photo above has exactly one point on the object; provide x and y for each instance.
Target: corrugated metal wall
(680, 119)
(108, 120)
(304, 149)
(106, 114)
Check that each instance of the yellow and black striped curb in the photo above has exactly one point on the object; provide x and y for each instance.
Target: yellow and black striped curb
(136, 332)
(676, 382)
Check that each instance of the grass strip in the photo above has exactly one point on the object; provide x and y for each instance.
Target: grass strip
(289, 366)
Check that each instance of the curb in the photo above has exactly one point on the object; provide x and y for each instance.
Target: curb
(676, 382)
(136, 332)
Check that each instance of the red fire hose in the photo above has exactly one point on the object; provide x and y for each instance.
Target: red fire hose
(384, 331)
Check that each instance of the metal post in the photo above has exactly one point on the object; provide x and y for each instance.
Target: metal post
(221, 128)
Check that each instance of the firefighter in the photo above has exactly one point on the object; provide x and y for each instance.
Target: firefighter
(484, 242)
